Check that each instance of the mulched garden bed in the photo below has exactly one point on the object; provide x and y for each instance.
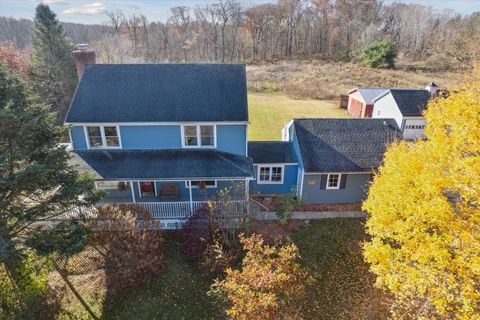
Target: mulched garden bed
(270, 202)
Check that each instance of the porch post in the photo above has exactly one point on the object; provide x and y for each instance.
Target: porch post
(190, 192)
(247, 189)
(133, 192)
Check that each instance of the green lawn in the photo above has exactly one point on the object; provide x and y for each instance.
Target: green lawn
(330, 249)
(268, 113)
(179, 292)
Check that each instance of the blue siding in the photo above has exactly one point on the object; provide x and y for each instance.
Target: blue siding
(78, 138)
(355, 190)
(289, 182)
(151, 137)
(238, 192)
(232, 138)
(296, 147)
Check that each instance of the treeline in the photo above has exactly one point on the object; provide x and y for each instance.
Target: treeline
(226, 31)
(19, 31)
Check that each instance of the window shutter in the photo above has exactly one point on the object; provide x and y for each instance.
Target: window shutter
(343, 181)
(323, 182)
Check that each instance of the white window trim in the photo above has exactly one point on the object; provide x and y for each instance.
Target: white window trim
(196, 187)
(199, 138)
(270, 174)
(339, 181)
(102, 133)
(140, 189)
(100, 188)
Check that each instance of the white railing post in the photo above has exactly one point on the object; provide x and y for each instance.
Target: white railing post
(133, 191)
(190, 192)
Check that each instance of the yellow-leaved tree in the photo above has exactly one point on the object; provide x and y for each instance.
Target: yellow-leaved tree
(271, 284)
(424, 207)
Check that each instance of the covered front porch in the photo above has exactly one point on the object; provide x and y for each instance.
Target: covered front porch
(176, 199)
(171, 184)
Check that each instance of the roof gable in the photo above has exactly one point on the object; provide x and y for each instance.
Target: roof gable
(369, 94)
(344, 145)
(411, 102)
(160, 92)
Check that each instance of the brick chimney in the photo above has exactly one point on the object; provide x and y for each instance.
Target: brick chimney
(83, 56)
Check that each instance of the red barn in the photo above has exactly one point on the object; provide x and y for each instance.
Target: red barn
(360, 101)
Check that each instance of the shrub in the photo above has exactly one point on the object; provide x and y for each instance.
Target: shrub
(196, 234)
(134, 245)
(379, 54)
(210, 236)
(285, 205)
(270, 285)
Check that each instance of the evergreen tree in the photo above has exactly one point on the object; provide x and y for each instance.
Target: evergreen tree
(379, 54)
(36, 181)
(52, 71)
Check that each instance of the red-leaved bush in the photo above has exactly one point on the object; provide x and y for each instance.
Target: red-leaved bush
(196, 234)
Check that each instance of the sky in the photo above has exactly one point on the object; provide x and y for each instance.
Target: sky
(92, 11)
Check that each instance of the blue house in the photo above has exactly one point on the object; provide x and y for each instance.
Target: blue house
(325, 161)
(168, 136)
(336, 157)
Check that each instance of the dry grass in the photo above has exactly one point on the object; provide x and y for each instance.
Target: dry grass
(321, 80)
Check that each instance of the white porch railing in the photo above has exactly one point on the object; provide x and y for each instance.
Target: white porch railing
(171, 210)
(162, 210)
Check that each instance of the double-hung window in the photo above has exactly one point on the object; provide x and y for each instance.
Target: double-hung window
(333, 181)
(270, 174)
(197, 136)
(103, 136)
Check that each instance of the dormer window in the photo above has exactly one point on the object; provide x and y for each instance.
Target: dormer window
(102, 136)
(198, 136)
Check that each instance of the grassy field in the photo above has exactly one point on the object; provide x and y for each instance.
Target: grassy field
(328, 80)
(330, 249)
(268, 113)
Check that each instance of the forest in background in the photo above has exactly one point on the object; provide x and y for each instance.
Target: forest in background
(227, 31)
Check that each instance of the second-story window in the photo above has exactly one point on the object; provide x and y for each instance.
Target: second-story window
(198, 136)
(190, 135)
(103, 137)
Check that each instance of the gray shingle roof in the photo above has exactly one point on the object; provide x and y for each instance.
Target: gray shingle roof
(368, 94)
(162, 164)
(160, 92)
(271, 152)
(411, 102)
(344, 145)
